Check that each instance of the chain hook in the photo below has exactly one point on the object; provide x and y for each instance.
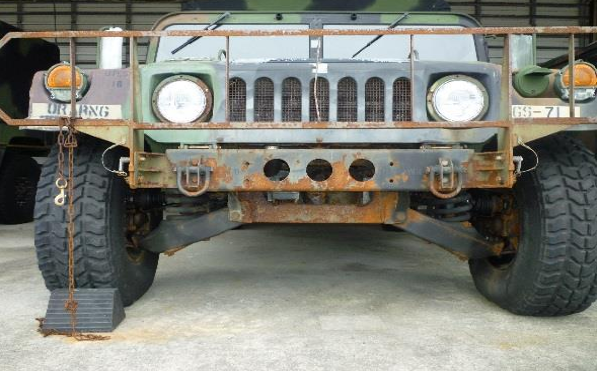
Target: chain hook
(61, 184)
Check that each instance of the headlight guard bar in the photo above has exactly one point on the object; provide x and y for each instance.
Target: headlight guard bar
(509, 127)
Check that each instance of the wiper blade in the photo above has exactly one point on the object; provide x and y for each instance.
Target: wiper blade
(212, 26)
(393, 25)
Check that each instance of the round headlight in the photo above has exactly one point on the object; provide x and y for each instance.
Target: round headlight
(182, 99)
(457, 98)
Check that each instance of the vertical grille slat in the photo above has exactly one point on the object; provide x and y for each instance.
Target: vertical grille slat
(374, 99)
(237, 100)
(377, 100)
(347, 100)
(264, 99)
(291, 99)
(401, 110)
(323, 100)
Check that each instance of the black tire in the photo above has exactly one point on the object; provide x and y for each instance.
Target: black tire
(101, 256)
(554, 270)
(18, 181)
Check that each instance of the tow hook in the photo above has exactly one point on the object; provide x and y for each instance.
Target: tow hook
(449, 177)
(196, 179)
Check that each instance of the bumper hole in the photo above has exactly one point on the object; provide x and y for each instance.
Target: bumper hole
(361, 170)
(276, 170)
(319, 170)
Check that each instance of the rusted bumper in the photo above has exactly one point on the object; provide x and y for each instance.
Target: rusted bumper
(234, 170)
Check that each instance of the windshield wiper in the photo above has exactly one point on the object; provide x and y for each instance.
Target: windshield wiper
(393, 25)
(215, 24)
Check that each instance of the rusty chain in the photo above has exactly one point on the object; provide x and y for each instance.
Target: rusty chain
(66, 188)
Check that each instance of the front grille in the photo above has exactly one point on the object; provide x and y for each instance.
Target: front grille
(291, 99)
(347, 100)
(401, 110)
(237, 100)
(264, 99)
(343, 100)
(374, 99)
(322, 103)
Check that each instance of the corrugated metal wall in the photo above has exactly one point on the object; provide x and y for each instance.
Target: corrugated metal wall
(61, 15)
(140, 15)
(529, 13)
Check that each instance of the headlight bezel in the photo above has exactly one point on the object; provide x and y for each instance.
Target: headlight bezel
(431, 102)
(582, 92)
(63, 93)
(203, 116)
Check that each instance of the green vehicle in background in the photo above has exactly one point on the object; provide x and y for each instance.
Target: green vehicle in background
(374, 112)
(19, 172)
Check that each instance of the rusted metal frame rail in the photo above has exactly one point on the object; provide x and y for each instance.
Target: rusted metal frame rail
(562, 121)
(411, 44)
(73, 78)
(505, 136)
(571, 55)
(506, 31)
(557, 30)
(506, 121)
(227, 87)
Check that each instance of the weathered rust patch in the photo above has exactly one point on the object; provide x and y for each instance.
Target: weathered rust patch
(256, 209)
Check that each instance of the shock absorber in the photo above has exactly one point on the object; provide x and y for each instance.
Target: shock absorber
(455, 209)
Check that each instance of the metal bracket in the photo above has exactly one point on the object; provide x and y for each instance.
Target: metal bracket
(176, 234)
(196, 179)
(401, 212)
(461, 240)
(449, 178)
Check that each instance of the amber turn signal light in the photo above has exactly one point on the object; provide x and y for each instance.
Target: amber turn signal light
(58, 82)
(584, 75)
(60, 77)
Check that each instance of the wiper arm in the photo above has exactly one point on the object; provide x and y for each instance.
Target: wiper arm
(393, 25)
(212, 26)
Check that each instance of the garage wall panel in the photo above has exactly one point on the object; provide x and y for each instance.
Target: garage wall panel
(137, 15)
(141, 15)
(511, 13)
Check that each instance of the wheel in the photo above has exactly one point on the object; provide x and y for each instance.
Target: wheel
(550, 264)
(18, 182)
(105, 253)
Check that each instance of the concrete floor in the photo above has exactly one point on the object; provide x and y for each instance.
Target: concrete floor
(295, 298)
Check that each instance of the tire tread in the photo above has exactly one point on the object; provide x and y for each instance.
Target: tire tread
(567, 279)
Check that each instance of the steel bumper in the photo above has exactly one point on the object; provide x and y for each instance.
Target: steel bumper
(236, 170)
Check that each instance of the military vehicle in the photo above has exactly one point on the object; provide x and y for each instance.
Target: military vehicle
(377, 115)
(19, 172)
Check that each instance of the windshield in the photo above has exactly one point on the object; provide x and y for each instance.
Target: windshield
(453, 48)
(241, 48)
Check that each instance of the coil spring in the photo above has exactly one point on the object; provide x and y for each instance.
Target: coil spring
(455, 209)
